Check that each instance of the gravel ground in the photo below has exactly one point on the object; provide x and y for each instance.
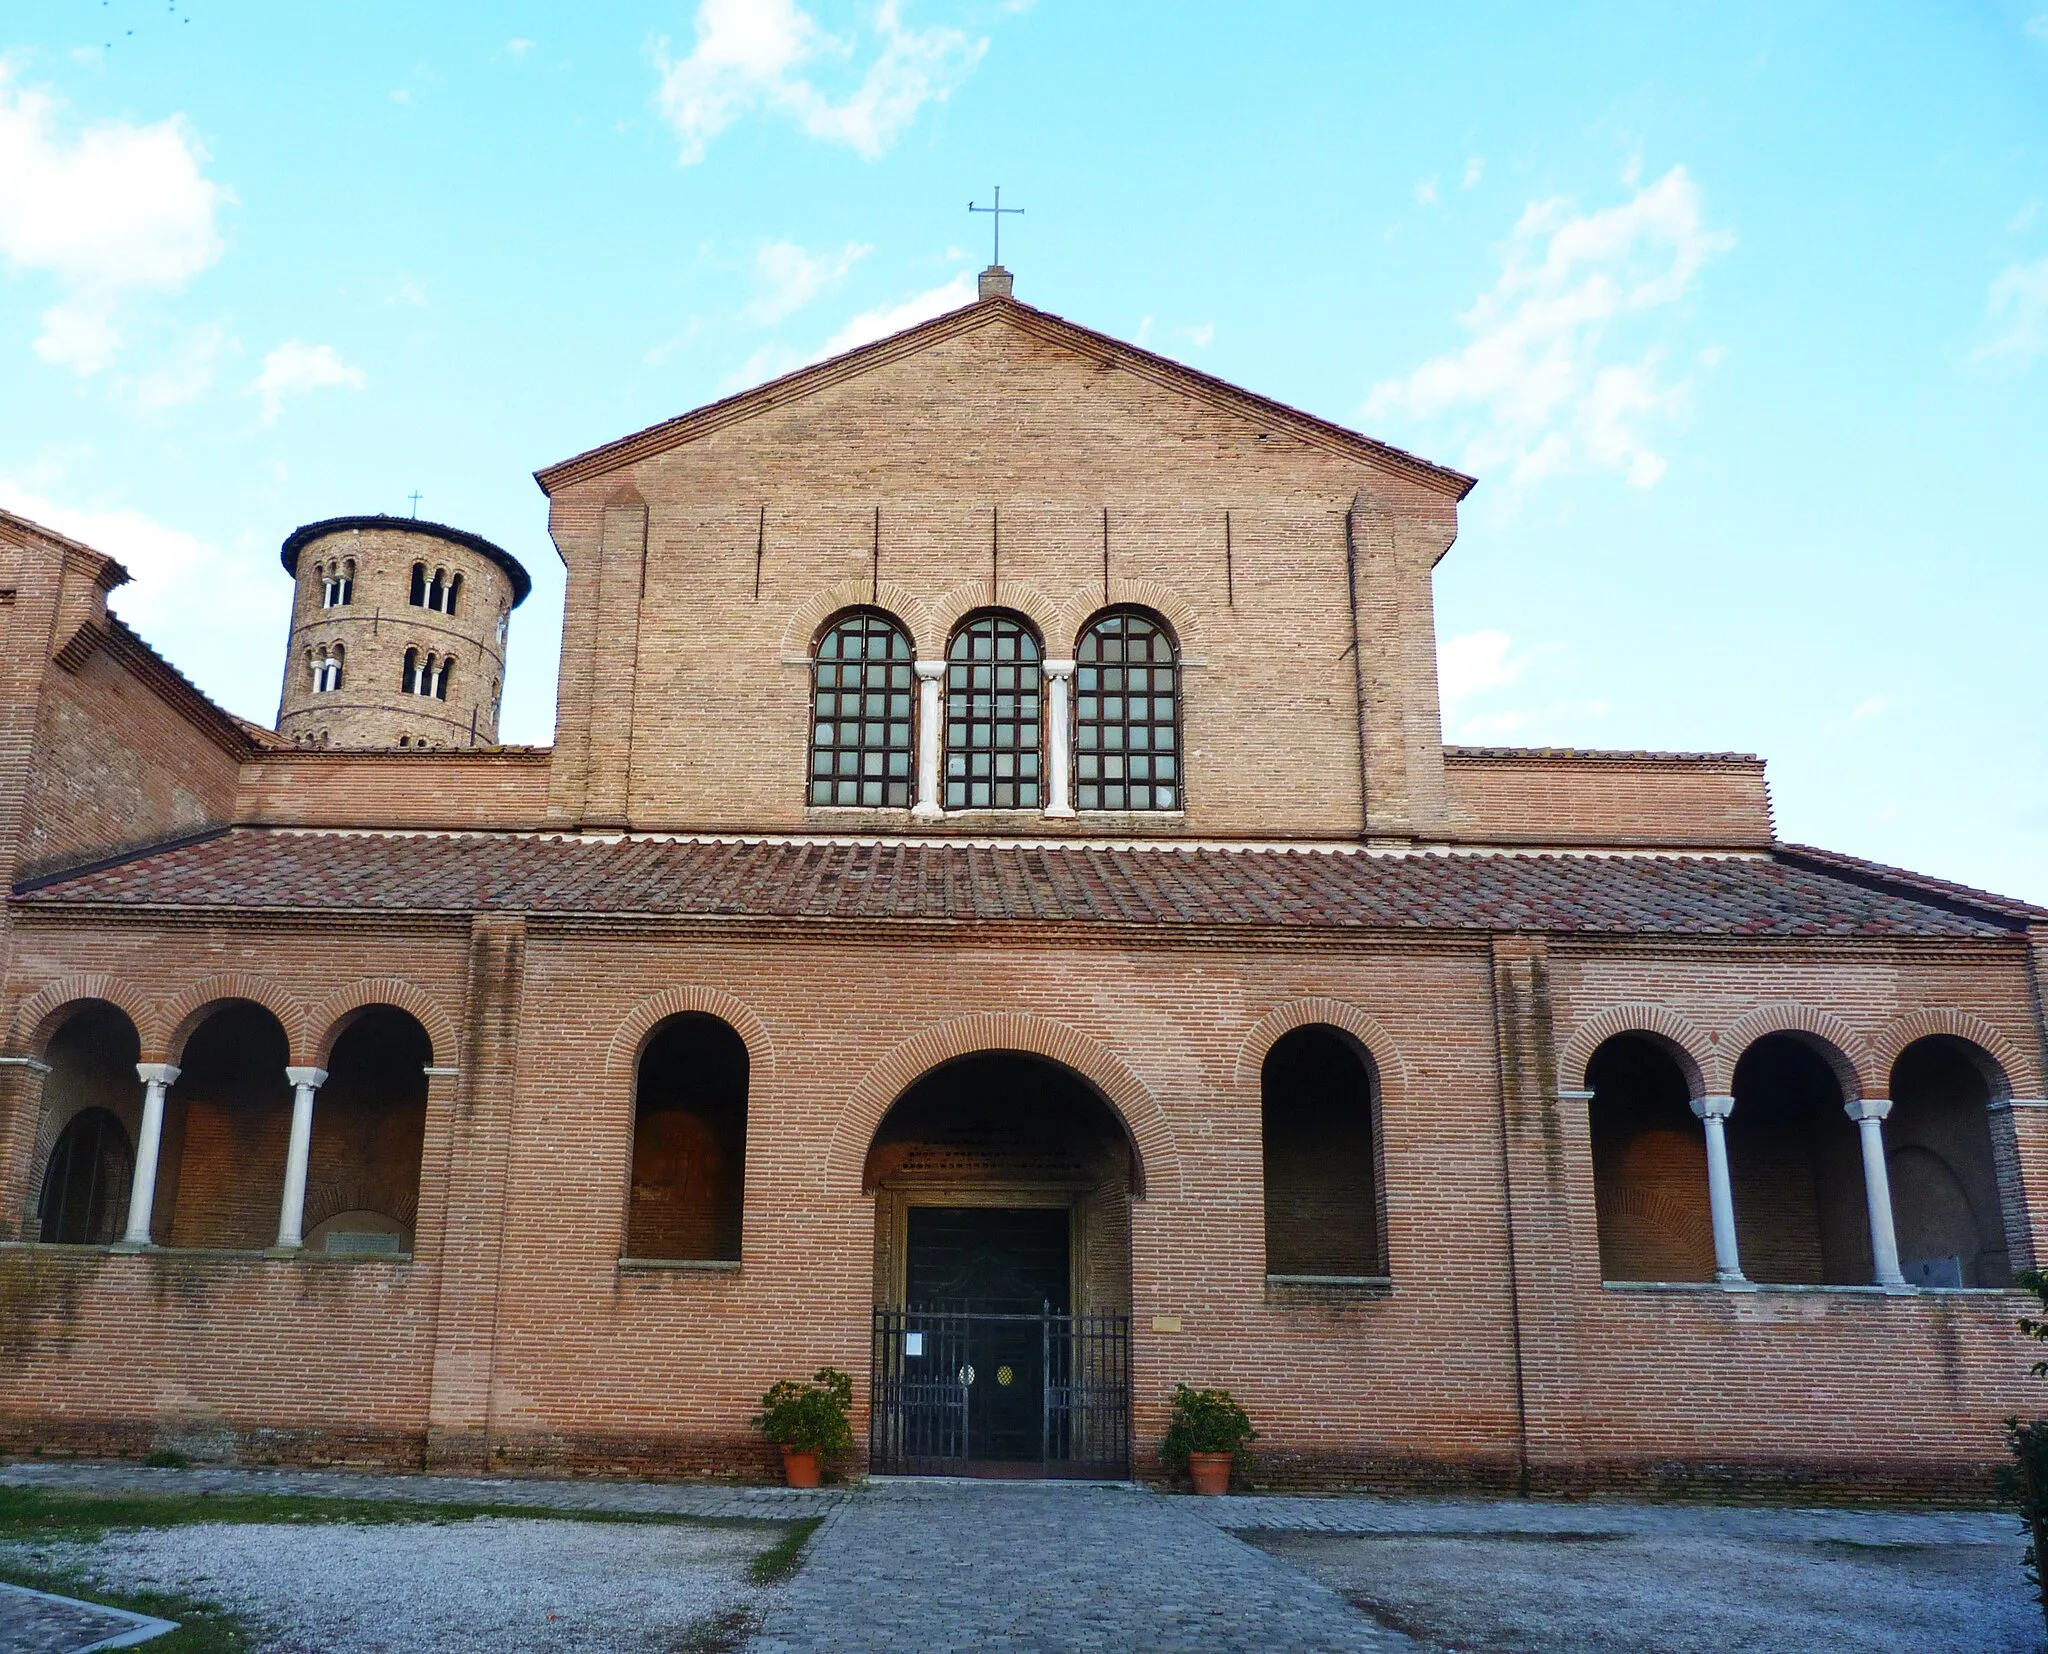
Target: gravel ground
(1523, 1592)
(496, 1584)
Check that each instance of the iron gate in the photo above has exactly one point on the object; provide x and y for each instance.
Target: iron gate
(925, 1417)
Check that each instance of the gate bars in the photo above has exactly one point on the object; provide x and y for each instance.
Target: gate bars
(918, 1416)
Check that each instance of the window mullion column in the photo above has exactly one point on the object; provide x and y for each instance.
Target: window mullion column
(1059, 733)
(929, 675)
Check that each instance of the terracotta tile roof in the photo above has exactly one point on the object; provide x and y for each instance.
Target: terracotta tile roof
(285, 870)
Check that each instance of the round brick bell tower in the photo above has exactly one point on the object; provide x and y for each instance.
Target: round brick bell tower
(398, 634)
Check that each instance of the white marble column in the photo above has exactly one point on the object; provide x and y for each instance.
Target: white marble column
(1869, 1114)
(157, 1078)
(291, 1214)
(1059, 738)
(930, 673)
(1713, 1114)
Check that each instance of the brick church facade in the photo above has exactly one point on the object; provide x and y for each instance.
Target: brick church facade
(997, 859)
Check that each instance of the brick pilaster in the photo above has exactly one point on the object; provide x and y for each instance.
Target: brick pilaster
(1546, 1189)
(622, 583)
(472, 1227)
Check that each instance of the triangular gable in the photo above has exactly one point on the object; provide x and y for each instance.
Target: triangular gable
(1041, 324)
(107, 572)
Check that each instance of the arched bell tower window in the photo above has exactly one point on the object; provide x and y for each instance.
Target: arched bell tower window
(1127, 715)
(994, 756)
(862, 704)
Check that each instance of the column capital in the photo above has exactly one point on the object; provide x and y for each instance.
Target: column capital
(1716, 1108)
(314, 1077)
(157, 1073)
(1057, 668)
(1867, 1108)
(930, 670)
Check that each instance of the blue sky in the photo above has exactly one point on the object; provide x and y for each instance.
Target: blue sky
(1739, 312)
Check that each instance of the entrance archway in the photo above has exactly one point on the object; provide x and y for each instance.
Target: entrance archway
(1002, 1275)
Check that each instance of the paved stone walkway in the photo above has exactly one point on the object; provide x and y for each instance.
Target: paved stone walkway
(942, 1566)
(33, 1622)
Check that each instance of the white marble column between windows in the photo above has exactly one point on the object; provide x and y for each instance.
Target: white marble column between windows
(1059, 738)
(1713, 1114)
(291, 1214)
(1869, 1114)
(157, 1078)
(929, 673)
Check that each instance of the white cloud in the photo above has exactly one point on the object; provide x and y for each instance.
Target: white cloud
(886, 319)
(1872, 706)
(1475, 169)
(1538, 385)
(1202, 335)
(518, 48)
(786, 277)
(1474, 664)
(753, 54)
(1425, 192)
(295, 368)
(180, 376)
(108, 211)
(2018, 308)
(2037, 25)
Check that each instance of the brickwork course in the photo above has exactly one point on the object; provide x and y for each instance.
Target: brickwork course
(1543, 968)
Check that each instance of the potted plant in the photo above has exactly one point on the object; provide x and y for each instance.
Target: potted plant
(808, 1422)
(1207, 1433)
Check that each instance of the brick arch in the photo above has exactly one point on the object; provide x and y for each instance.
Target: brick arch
(649, 1013)
(328, 1197)
(2013, 1067)
(952, 607)
(1390, 1069)
(173, 1020)
(1847, 1052)
(1695, 1053)
(858, 592)
(1157, 1156)
(1085, 604)
(331, 1017)
(37, 1018)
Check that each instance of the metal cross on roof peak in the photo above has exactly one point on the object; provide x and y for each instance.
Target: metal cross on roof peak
(414, 496)
(996, 223)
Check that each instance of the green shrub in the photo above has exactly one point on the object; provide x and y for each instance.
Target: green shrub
(167, 1458)
(811, 1418)
(1205, 1421)
(2026, 1481)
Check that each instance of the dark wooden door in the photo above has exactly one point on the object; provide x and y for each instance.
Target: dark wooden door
(994, 1261)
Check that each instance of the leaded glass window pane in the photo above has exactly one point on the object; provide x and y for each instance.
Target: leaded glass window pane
(861, 725)
(994, 692)
(1126, 716)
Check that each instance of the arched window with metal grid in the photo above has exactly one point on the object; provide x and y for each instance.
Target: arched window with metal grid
(862, 700)
(994, 731)
(1127, 752)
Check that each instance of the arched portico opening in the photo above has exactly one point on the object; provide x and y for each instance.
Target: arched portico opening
(1002, 1185)
(227, 1124)
(369, 1130)
(1649, 1164)
(1796, 1168)
(92, 1108)
(1944, 1180)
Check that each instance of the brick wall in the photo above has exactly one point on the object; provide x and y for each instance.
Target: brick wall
(505, 788)
(1608, 799)
(515, 1337)
(698, 576)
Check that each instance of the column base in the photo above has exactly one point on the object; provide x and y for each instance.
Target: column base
(284, 1251)
(1738, 1281)
(134, 1246)
(926, 812)
(1060, 815)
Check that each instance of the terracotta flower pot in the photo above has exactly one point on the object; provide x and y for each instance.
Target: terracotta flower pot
(799, 1469)
(1211, 1472)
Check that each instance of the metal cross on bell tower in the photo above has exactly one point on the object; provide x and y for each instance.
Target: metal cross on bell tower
(995, 280)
